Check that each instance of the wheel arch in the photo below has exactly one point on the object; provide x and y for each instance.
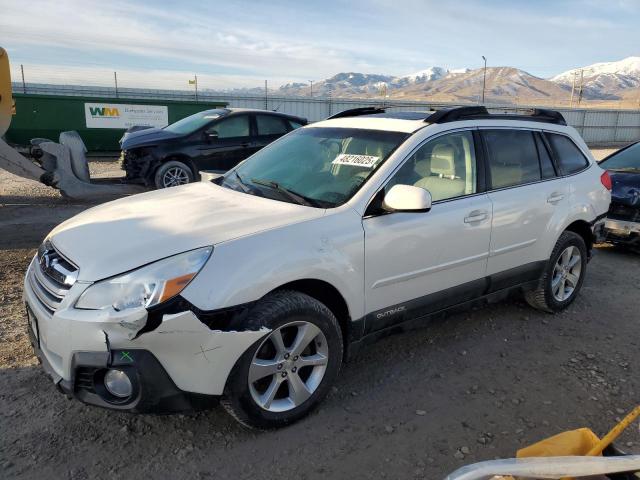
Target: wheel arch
(582, 228)
(330, 296)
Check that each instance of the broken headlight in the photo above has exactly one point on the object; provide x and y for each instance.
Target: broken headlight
(147, 286)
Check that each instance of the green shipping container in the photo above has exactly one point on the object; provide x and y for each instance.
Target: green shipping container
(100, 121)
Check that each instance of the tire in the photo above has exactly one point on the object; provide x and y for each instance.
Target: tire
(173, 173)
(292, 315)
(550, 296)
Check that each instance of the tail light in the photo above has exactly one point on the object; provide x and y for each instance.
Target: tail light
(605, 178)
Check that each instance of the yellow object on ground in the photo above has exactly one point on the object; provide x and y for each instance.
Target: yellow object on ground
(575, 442)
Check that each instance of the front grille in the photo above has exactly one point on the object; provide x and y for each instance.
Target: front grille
(50, 277)
(623, 212)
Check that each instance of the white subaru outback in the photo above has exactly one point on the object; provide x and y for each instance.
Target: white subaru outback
(254, 288)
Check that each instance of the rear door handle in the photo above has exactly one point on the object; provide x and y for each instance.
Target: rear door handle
(476, 216)
(555, 197)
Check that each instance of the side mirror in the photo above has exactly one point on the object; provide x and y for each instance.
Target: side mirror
(407, 198)
(211, 135)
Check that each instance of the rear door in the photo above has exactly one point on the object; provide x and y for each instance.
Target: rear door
(529, 201)
(269, 128)
(226, 143)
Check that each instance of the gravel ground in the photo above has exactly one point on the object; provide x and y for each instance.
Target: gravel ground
(476, 386)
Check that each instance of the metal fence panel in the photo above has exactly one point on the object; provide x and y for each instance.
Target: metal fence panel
(597, 127)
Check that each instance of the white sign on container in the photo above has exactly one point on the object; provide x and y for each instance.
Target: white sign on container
(117, 115)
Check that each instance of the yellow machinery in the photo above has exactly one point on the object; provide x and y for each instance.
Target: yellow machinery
(60, 165)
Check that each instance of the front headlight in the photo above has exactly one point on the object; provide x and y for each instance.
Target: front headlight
(146, 286)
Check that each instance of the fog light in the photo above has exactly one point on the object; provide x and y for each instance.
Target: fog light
(117, 383)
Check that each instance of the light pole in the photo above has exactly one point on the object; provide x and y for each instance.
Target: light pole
(311, 90)
(484, 77)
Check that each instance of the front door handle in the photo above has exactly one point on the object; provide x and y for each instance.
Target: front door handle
(476, 216)
(555, 197)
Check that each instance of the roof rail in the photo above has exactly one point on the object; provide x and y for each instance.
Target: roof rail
(453, 114)
(356, 112)
(480, 113)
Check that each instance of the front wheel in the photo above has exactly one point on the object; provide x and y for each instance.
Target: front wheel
(172, 174)
(563, 275)
(285, 374)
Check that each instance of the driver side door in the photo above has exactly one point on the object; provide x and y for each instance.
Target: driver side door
(417, 263)
(226, 143)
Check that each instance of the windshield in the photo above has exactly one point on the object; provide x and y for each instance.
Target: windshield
(625, 160)
(322, 167)
(194, 122)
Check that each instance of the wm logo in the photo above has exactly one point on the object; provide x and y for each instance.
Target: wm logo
(104, 112)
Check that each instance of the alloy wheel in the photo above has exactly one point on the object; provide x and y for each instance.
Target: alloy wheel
(288, 367)
(566, 273)
(175, 176)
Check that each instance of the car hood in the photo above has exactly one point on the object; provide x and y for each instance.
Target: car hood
(125, 234)
(145, 137)
(625, 188)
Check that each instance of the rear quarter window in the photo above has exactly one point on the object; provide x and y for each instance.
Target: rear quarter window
(569, 157)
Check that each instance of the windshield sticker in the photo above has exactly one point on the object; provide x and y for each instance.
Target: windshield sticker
(366, 161)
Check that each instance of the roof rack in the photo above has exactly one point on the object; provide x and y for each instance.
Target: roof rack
(480, 113)
(356, 112)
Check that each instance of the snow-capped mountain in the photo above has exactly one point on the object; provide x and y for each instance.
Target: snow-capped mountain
(610, 81)
(606, 80)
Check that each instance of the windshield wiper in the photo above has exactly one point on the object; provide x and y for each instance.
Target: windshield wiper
(290, 194)
(625, 169)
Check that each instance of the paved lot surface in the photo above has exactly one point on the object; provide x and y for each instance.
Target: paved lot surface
(477, 386)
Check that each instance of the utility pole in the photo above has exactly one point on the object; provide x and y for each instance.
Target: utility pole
(580, 89)
(196, 82)
(115, 81)
(311, 91)
(484, 77)
(266, 96)
(24, 85)
(573, 88)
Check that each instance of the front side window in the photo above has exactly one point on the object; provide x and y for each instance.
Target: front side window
(513, 157)
(270, 125)
(323, 167)
(445, 166)
(569, 156)
(627, 160)
(236, 126)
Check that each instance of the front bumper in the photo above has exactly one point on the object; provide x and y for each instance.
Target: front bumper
(179, 365)
(153, 389)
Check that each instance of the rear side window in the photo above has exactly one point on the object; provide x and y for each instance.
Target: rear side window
(295, 124)
(568, 155)
(271, 125)
(513, 157)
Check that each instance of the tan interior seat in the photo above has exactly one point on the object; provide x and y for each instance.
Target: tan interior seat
(438, 173)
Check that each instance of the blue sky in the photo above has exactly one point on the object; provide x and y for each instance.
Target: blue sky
(241, 42)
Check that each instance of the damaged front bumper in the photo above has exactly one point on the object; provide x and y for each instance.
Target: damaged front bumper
(181, 364)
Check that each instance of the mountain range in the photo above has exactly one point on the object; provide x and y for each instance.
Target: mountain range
(601, 82)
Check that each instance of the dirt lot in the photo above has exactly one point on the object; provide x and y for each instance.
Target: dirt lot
(417, 405)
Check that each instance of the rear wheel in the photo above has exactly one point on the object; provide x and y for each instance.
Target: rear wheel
(282, 377)
(172, 174)
(563, 275)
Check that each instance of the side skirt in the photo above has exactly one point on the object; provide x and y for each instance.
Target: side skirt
(419, 312)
